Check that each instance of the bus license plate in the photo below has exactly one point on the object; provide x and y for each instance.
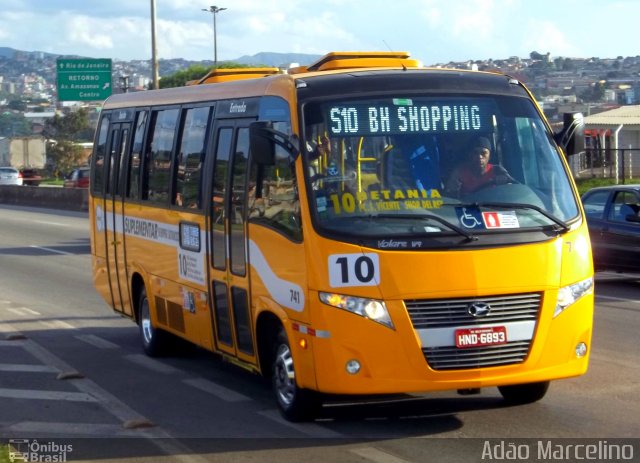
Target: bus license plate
(480, 337)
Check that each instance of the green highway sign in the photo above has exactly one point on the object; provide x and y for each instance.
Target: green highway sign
(83, 79)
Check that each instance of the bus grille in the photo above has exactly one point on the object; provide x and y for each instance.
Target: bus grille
(452, 313)
(452, 358)
(445, 313)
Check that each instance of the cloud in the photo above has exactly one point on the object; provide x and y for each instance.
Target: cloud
(84, 31)
(544, 36)
(173, 38)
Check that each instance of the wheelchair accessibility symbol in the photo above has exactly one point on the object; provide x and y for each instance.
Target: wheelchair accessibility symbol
(470, 217)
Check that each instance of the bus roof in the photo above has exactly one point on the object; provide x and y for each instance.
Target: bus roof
(230, 74)
(230, 83)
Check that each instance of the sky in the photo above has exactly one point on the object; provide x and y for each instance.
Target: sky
(433, 31)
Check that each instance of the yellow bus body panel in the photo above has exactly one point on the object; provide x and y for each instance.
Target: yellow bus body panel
(392, 359)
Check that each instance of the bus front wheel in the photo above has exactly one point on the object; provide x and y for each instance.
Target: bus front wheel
(295, 403)
(520, 394)
(153, 339)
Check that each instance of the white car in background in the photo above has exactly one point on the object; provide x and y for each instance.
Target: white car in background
(10, 176)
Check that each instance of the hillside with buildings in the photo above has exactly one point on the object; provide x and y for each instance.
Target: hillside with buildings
(560, 84)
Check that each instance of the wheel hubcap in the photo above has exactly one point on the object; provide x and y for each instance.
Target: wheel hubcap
(145, 322)
(284, 375)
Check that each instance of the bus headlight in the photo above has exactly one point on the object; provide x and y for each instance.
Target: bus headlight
(570, 294)
(368, 308)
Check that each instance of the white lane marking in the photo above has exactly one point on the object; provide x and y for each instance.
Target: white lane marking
(157, 436)
(46, 395)
(55, 251)
(12, 343)
(6, 329)
(151, 364)
(57, 224)
(97, 341)
(26, 368)
(109, 402)
(310, 429)
(58, 325)
(82, 429)
(378, 456)
(23, 311)
(217, 390)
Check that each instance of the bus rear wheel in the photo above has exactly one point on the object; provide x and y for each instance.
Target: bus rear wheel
(295, 403)
(520, 394)
(154, 340)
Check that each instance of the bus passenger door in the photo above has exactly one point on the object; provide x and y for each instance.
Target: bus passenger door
(116, 257)
(228, 262)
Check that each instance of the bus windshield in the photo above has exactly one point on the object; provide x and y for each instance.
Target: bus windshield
(428, 166)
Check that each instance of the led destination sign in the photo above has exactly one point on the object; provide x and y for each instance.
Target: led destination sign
(402, 115)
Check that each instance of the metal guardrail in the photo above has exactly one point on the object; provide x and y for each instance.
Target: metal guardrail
(623, 164)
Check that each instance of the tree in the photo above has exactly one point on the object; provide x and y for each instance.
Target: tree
(17, 105)
(594, 93)
(14, 125)
(62, 134)
(534, 55)
(195, 72)
(568, 65)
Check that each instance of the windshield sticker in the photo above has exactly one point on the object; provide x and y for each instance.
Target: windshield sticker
(470, 217)
(321, 203)
(507, 219)
(384, 201)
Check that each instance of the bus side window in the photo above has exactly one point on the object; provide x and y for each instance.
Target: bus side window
(158, 168)
(133, 186)
(273, 197)
(98, 157)
(191, 159)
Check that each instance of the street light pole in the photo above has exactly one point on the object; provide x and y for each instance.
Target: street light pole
(155, 79)
(214, 10)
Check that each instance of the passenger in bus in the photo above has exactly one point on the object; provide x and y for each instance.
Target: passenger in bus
(476, 172)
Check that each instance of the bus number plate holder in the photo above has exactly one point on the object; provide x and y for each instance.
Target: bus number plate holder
(480, 337)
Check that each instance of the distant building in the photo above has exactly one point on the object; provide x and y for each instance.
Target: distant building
(620, 127)
(613, 135)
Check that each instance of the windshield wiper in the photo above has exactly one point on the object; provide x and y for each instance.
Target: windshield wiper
(564, 227)
(434, 217)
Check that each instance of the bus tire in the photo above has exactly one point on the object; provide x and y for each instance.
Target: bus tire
(520, 394)
(295, 404)
(154, 340)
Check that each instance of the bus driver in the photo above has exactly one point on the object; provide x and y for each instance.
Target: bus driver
(476, 172)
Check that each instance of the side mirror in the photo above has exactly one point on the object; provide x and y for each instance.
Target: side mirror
(263, 138)
(261, 143)
(571, 137)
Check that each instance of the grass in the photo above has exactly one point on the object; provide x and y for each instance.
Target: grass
(585, 184)
(52, 181)
(4, 453)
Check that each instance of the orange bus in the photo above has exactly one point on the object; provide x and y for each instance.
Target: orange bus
(315, 227)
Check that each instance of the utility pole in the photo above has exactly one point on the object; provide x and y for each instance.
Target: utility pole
(214, 10)
(124, 80)
(154, 51)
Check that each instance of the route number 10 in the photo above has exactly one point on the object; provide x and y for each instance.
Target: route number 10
(354, 270)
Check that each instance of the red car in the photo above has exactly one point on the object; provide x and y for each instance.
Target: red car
(78, 178)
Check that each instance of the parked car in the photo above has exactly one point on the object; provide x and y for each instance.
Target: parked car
(78, 178)
(31, 177)
(614, 226)
(10, 176)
